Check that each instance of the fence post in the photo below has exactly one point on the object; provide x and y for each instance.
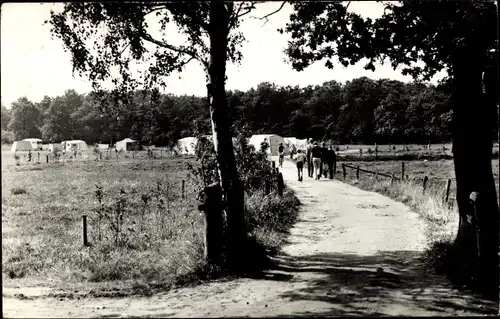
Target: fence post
(281, 184)
(85, 239)
(343, 170)
(212, 208)
(447, 190)
(425, 184)
(392, 179)
(100, 156)
(183, 188)
(47, 158)
(273, 163)
(357, 173)
(402, 170)
(267, 187)
(277, 170)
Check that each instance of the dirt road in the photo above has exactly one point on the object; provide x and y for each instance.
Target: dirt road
(351, 253)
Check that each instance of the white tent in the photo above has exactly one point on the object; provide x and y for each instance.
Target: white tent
(36, 143)
(21, 146)
(127, 144)
(299, 144)
(272, 139)
(103, 146)
(54, 147)
(74, 145)
(186, 146)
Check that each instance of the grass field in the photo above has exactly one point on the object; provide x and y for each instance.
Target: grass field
(438, 172)
(150, 236)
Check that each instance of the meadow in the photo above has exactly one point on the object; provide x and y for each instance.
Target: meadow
(143, 233)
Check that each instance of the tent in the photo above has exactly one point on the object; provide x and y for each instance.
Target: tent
(127, 144)
(299, 144)
(272, 139)
(54, 147)
(103, 146)
(21, 146)
(36, 143)
(186, 146)
(74, 145)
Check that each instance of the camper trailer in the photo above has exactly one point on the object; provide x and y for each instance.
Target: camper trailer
(18, 146)
(74, 145)
(36, 143)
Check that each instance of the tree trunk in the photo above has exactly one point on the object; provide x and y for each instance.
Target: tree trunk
(473, 127)
(222, 139)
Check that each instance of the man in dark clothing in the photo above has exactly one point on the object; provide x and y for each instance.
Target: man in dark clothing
(316, 159)
(331, 160)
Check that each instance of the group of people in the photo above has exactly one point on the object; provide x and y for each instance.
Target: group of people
(321, 161)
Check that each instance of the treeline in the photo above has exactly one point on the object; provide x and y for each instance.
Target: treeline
(359, 111)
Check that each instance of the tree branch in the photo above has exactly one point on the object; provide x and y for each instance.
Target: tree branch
(270, 14)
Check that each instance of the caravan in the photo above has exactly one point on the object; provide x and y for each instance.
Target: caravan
(21, 146)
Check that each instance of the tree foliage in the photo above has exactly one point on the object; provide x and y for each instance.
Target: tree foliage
(359, 111)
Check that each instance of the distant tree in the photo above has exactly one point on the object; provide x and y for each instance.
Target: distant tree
(456, 36)
(24, 119)
(5, 117)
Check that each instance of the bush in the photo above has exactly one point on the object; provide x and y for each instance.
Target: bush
(268, 217)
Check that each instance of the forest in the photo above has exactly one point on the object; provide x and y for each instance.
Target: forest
(359, 111)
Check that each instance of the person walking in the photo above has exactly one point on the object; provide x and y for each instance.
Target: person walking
(301, 159)
(331, 160)
(323, 167)
(281, 154)
(316, 159)
(310, 169)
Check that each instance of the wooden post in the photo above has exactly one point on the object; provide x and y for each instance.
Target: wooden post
(281, 184)
(392, 179)
(133, 154)
(447, 190)
(402, 170)
(425, 184)
(277, 170)
(100, 155)
(183, 188)
(343, 170)
(212, 208)
(273, 163)
(267, 187)
(47, 158)
(357, 173)
(85, 239)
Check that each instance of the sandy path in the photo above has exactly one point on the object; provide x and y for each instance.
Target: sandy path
(351, 253)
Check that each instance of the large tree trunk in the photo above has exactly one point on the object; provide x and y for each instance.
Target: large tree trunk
(230, 182)
(473, 127)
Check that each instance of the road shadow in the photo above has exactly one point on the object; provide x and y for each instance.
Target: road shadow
(388, 283)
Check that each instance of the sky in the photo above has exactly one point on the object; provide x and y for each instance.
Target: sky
(34, 64)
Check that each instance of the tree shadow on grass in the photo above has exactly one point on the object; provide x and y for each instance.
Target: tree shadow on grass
(388, 283)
